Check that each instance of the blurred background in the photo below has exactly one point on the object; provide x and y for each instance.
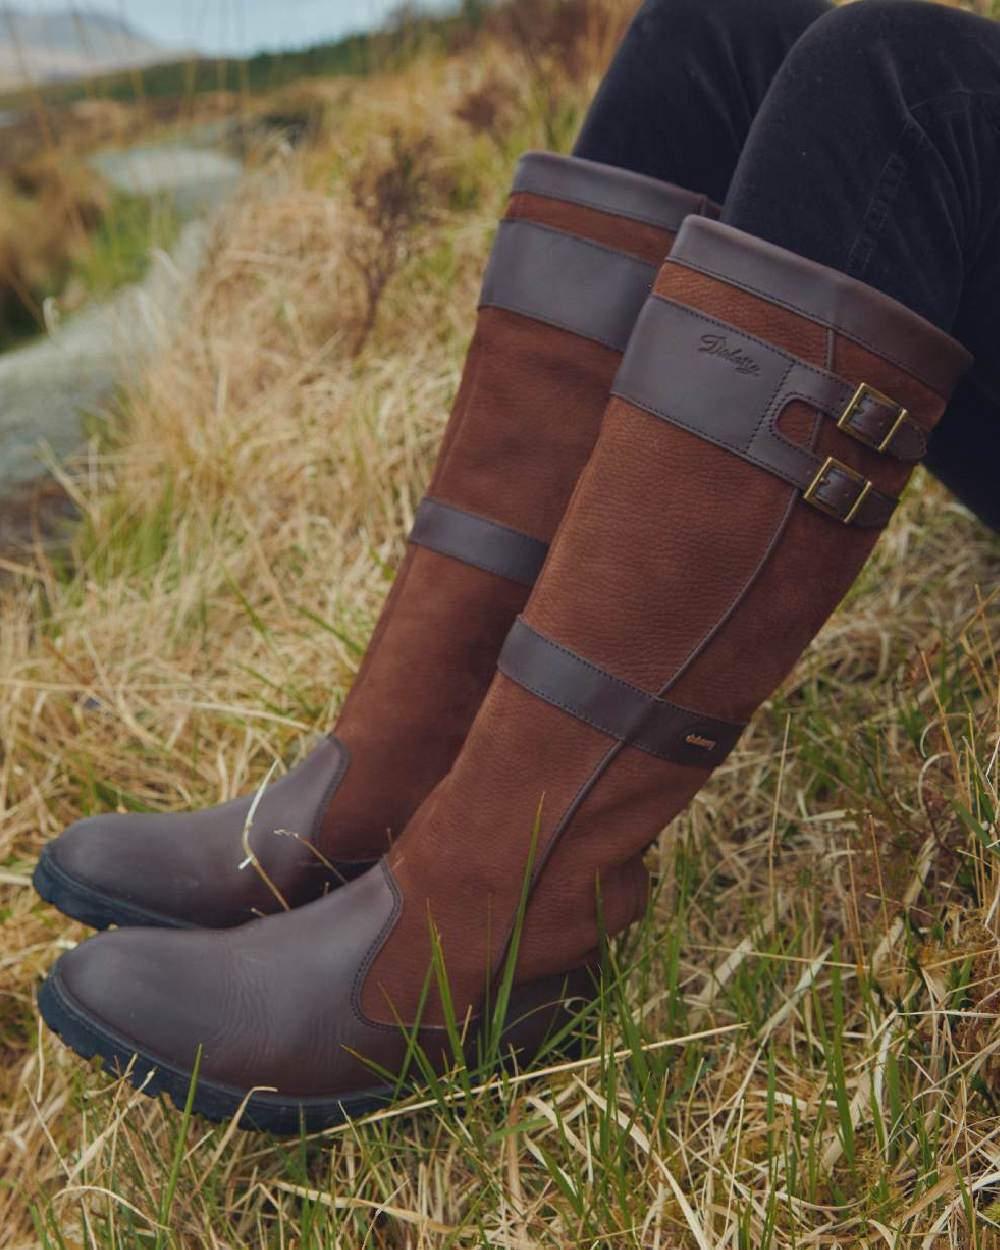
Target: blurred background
(125, 127)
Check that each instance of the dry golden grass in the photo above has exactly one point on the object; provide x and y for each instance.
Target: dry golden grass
(833, 894)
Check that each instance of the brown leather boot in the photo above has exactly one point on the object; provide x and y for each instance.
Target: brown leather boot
(574, 259)
(767, 414)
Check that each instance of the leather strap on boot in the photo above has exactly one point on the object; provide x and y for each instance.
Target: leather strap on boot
(615, 707)
(732, 388)
(576, 285)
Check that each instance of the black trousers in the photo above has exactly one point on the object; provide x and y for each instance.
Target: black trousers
(865, 137)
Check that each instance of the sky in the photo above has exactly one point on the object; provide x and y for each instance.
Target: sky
(235, 27)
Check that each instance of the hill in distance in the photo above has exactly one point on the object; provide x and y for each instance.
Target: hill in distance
(68, 44)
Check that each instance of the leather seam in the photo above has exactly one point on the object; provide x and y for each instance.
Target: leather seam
(647, 697)
(824, 375)
(602, 340)
(622, 214)
(591, 244)
(587, 720)
(509, 529)
(468, 562)
(736, 448)
(454, 553)
(380, 939)
(708, 271)
(585, 788)
(343, 761)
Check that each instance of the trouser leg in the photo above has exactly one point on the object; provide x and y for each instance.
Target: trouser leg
(876, 152)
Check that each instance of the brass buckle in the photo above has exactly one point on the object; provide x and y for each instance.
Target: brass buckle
(864, 392)
(831, 462)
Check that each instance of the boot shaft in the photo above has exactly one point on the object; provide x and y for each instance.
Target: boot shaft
(735, 492)
(574, 258)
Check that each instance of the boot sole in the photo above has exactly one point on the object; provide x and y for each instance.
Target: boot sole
(262, 1112)
(89, 906)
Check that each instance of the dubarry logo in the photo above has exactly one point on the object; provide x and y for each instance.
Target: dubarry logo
(718, 345)
(696, 740)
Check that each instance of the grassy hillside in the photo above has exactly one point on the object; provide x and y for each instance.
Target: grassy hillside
(410, 34)
(57, 217)
(800, 1045)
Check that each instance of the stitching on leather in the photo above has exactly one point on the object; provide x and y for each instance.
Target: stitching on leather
(565, 707)
(648, 277)
(455, 553)
(344, 759)
(700, 267)
(737, 448)
(810, 461)
(509, 529)
(371, 954)
(673, 225)
(509, 225)
(655, 411)
(441, 550)
(825, 375)
(603, 672)
(650, 700)
(594, 668)
(614, 345)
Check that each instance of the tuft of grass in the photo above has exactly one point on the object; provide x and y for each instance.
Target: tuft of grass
(120, 247)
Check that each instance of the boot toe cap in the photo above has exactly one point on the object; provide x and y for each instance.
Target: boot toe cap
(138, 991)
(103, 870)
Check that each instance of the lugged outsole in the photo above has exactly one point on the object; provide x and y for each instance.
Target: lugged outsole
(91, 907)
(267, 1113)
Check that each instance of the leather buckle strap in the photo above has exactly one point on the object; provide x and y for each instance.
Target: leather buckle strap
(614, 707)
(883, 425)
(566, 282)
(478, 541)
(838, 490)
(730, 388)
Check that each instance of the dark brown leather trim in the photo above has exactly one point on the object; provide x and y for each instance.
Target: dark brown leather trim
(339, 772)
(885, 426)
(609, 189)
(564, 281)
(877, 322)
(730, 388)
(477, 541)
(613, 706)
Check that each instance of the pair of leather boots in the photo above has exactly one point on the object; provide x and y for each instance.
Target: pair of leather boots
(658, 480)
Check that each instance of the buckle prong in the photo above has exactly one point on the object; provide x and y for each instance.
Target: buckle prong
(811, 497)
(864, 392)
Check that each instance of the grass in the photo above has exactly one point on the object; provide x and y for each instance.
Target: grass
(120, 247)
(798, 1046)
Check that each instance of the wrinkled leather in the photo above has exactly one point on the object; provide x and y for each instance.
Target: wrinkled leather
(275, 1002)
(172, 863)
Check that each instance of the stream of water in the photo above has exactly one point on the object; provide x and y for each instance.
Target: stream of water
(48, 386)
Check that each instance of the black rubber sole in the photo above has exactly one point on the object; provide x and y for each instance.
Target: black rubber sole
(267, 1113)
(92, 907)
